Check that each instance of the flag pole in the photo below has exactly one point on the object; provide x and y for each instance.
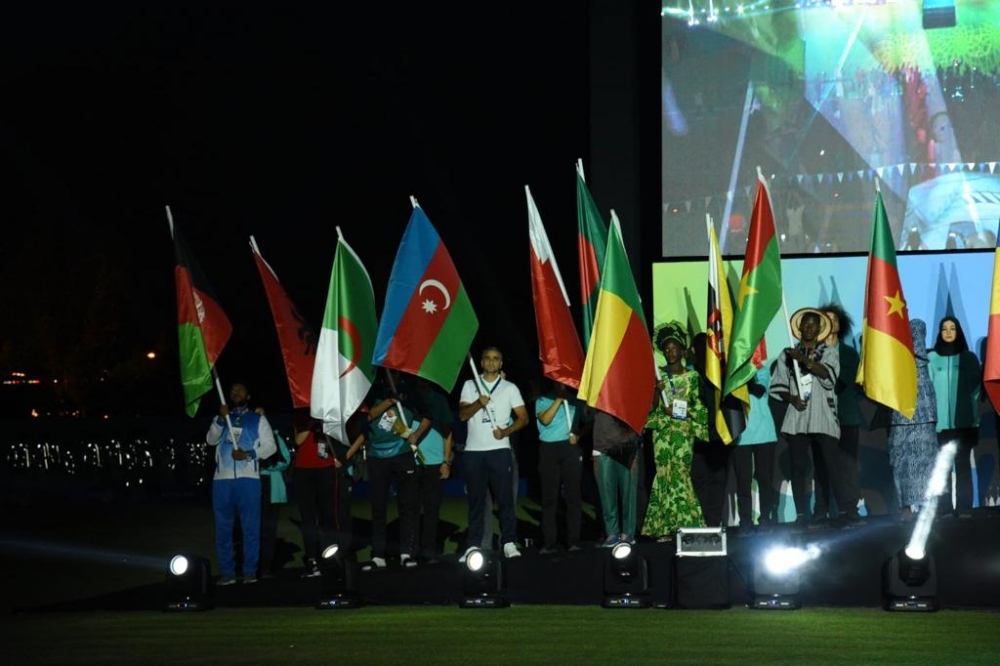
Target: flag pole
(481, 387)
(222, 399)
(788, 326)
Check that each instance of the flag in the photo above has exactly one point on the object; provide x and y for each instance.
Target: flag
(296, 338)
(991, 366)
(559, 346)
(202, 327)
(428, 322)
(343, 372)
(618, 375)
(759, 298)
(888, 370)
(592, 243)
(730, 419)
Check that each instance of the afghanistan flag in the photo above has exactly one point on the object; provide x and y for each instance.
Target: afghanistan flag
(991, 366)
(759, 298)
(729, 417)
(887, 371)
(343, 372)
(296, 337)
(559, 346)
(428, 322)
(592, 244)
(202, 327)
(618, 375)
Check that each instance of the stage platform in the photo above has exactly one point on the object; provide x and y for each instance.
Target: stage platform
(847, 572)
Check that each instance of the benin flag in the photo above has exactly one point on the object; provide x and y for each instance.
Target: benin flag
(729, 416)
(618, 374)
(888, 370)
(428, 323)
(991, 367)
(592, 244)
(202, 327)
(759, 298)
(343, 372)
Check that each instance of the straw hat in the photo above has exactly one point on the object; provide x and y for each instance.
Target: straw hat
(824, 323)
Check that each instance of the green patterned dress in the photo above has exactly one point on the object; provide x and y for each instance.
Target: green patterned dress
(672, 502)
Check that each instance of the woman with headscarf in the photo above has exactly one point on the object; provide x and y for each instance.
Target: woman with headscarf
(912, 442)
(957, 377)
(678, 418)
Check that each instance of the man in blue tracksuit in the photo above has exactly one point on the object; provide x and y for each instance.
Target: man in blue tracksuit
(236, 486)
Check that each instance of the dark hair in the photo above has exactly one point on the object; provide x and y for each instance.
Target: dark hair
(844, 321)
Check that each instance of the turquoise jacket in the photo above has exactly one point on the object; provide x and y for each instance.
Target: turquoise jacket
(274, 473)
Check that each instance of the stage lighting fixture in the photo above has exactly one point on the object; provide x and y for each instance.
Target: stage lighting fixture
(777, 577)
(338, 580)
(484, 582)
(189, 584)
(909, 582)
(626, 578)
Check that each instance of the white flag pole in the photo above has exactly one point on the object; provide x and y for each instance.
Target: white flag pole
(481, 386)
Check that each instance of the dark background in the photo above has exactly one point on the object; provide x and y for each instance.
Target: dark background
(284, 123)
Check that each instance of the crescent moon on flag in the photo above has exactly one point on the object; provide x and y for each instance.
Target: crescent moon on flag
(440, 287)
(352, 332)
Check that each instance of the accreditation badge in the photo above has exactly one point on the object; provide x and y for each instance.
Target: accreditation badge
(679, 410)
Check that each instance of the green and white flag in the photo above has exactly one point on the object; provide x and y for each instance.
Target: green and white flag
(343, 373)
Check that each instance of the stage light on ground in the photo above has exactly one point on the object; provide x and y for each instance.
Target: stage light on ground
(189, 584)
(484, 581)
(626, 578)
(909, 583)
(777, 577)
(338, 580)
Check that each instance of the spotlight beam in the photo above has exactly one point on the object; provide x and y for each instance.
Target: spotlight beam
(935, 486)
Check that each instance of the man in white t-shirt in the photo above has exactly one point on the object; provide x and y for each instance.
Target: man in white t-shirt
(493, 409)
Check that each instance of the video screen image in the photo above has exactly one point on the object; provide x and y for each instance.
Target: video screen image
(826, 97)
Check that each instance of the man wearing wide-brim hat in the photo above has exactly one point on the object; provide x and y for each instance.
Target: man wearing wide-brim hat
(804, 377)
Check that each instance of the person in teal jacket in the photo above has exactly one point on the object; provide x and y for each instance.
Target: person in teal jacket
(957, 377)
(273, 495)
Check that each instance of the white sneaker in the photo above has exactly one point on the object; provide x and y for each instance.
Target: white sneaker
(375, 564)
(465, 556)
(510, 550)
(406, 561)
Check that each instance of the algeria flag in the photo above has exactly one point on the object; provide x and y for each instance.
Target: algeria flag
(343, 372)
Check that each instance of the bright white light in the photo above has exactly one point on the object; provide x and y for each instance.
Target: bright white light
(476, 560)
(915, 552)
(179, 565)
(784, 560)
(330, 551)
(621, 551)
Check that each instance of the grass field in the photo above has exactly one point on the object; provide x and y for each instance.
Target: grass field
(64, 553)
(525, 634)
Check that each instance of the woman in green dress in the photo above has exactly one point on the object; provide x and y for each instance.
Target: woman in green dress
(678, 418)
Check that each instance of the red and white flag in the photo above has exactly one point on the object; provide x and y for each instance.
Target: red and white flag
(559, 346)
(297, 339)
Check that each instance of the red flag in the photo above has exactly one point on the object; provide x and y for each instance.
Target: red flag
(559, 346)
(991, 367)
(296, 337)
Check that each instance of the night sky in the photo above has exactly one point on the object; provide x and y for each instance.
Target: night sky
(281, 123)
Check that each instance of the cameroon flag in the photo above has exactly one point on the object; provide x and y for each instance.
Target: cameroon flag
(618, 374)
(888, 371)
(202, 327)
(592, 243)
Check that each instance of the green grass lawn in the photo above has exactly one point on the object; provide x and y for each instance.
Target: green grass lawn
(535, 634)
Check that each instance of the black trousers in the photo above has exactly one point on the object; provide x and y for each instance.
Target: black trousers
(709, 472)
(841, 463)
(966, 439)
(430, 488)
(749, 462)
(316, 494)
(560, 464)
(382, 472)
(799, 450)
(269, 516)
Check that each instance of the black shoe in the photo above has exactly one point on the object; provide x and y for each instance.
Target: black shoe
(548, 550)
(818, 521)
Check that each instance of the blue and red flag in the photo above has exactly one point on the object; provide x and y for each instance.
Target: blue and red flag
(428, 322)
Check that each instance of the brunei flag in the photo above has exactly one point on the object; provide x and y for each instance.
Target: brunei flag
(202, 327)
(991, 366)
(887, 371)
(592, 244)
(729, 416)
(618, 374)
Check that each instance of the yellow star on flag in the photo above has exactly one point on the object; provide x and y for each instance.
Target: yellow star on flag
(896, 304)
(745, 290)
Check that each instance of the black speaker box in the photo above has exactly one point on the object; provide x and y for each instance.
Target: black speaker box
(700, 582)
